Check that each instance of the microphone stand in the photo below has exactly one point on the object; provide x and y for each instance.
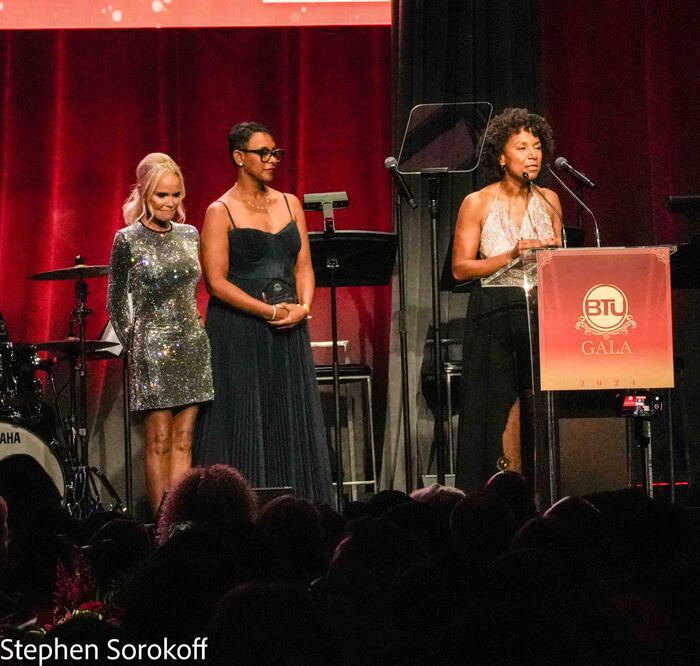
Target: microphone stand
(332, 265)
(580, 203)
(579, 206)
(538, 190)
(403, 342)
(433, 177)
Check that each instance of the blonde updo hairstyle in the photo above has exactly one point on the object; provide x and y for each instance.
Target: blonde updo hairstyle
(148, 174)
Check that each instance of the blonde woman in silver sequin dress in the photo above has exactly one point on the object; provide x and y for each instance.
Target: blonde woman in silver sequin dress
(494, 226)
(266, 418)
(156, 261)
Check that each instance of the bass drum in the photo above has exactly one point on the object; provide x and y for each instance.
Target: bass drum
(15, 438)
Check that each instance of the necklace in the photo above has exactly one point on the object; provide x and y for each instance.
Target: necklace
(162, 230)
(257, 207)
(510, 231)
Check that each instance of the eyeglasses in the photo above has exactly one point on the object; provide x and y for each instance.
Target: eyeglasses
(265, 153)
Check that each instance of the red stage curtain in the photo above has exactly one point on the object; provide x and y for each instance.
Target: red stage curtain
(79, 110)
(622, 94)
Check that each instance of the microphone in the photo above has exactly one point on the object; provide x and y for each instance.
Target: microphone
(538, 190)
(392, 164)
(563, 165)
(579, 201)
(679, 203)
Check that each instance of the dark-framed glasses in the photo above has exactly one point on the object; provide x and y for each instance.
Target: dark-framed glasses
(265, 153)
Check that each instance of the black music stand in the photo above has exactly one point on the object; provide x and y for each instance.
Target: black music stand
(349, 259)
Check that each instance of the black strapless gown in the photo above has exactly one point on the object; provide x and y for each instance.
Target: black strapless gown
(266, 417)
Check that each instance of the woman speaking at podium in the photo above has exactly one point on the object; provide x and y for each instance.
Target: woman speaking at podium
(495, 225)
(266, 417)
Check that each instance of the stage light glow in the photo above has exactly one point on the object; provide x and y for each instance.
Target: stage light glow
(53, 14)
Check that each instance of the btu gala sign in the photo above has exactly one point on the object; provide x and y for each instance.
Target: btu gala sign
(605, 318)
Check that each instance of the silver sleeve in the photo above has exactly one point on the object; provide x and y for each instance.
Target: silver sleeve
(118, 291)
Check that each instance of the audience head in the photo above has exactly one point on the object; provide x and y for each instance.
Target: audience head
(116, 549)
(294, 527)
(354, 509)
(35, 518)
(442, 498)
(265, 624)
(372, 557)
(552, 535)
(216, 498)
(482, 526)
(85, 629)
(333, 526)
(174, 595)
(378, 505)
(515, 489)
(26, 485)
(532, 611)
(425, 522)
(4, 534)
(581, 515)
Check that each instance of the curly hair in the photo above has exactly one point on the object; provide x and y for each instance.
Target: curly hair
(239, 135)
(510, 121)
(216, 498)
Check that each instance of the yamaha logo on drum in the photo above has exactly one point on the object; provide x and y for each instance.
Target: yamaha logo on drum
(605, 313)
(10, 437)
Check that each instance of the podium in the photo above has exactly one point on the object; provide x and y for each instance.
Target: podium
(598, 318)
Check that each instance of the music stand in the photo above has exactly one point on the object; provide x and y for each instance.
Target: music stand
(441, 139)
(349, 259)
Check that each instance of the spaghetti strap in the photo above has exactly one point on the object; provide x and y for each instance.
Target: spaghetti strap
(288, 208)
(223, 203)
(495, 198)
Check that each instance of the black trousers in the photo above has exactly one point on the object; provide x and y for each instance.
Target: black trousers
(495, 372)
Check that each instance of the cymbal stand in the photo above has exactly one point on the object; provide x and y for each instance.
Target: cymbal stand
(82, 495)
(80, 314)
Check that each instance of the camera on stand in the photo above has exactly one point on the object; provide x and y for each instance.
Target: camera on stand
(641, 406)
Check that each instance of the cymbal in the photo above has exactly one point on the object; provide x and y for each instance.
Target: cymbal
(76, 272)
(71, 346)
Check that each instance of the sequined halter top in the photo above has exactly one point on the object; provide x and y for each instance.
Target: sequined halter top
(500, 234)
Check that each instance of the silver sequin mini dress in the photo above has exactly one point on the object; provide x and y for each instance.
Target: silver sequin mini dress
(169, 356)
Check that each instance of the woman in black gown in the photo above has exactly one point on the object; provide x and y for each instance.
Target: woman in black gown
(266, 417)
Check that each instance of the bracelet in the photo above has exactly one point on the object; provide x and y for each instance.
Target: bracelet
(274, 313)
(307, 309)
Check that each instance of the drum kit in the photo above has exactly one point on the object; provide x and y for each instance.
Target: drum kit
(27, 424)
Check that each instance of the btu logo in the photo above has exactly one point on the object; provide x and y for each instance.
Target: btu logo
(605, 309)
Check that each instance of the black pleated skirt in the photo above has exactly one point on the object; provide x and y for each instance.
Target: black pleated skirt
(266, 417)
